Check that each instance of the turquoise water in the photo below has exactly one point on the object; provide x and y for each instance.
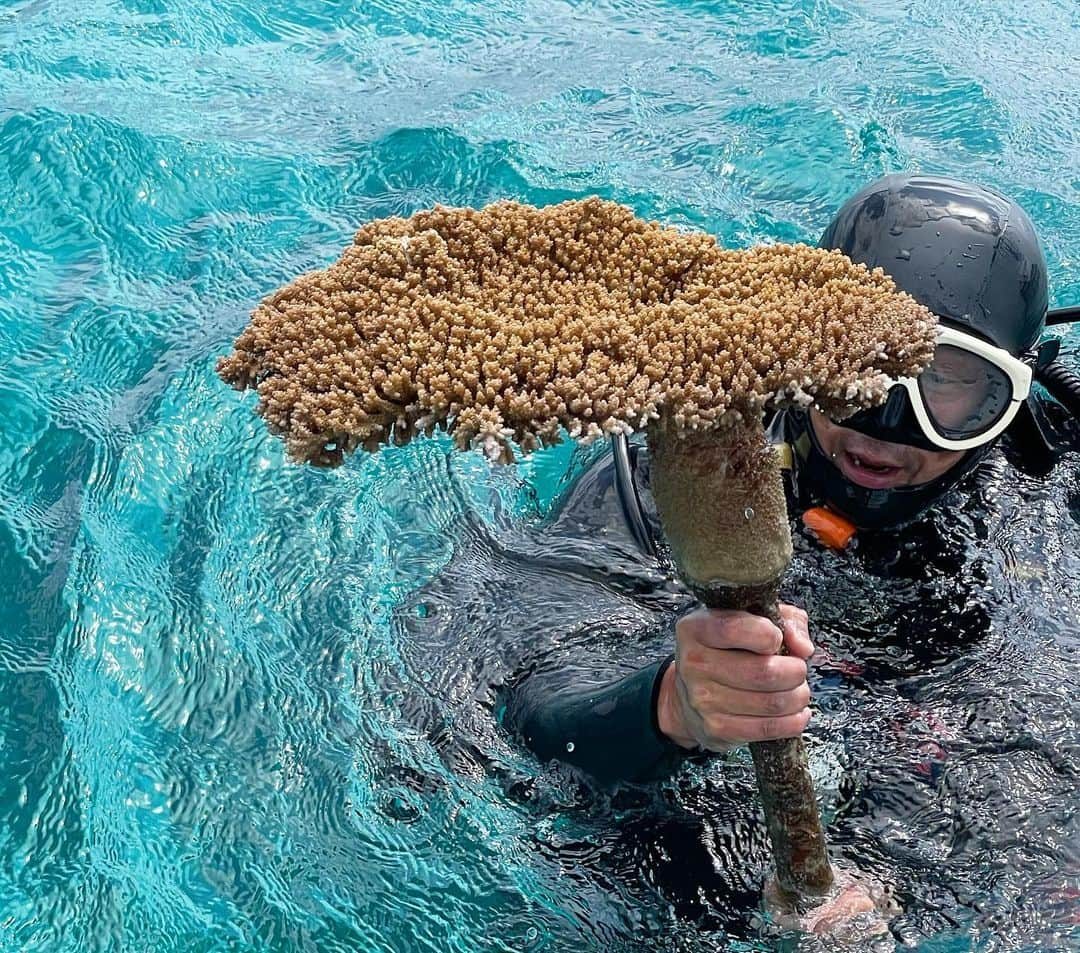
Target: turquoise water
(201, 656)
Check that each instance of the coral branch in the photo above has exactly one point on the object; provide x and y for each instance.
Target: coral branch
(516, 324)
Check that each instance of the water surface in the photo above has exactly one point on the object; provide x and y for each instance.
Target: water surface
(216, 707)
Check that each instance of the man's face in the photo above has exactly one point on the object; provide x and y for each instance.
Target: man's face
(878, 464)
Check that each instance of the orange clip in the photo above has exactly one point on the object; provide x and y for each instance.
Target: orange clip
(834, 530)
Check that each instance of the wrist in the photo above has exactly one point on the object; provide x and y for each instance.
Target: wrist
(669, 717)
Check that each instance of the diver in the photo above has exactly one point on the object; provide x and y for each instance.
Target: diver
(972, 257)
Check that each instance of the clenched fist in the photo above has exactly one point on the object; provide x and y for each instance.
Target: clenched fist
(728, 685)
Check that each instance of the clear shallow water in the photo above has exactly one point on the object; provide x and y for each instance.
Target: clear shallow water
(218, 704)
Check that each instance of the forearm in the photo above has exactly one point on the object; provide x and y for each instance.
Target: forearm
(610, 732)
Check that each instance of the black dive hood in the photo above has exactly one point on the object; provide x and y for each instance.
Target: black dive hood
(968, 254)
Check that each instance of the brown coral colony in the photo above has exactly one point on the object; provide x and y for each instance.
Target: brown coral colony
(513, 322)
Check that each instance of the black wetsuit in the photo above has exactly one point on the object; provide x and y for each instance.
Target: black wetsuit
(554, 630)
(577, 713)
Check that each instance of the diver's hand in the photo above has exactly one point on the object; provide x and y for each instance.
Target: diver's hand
(727, 684)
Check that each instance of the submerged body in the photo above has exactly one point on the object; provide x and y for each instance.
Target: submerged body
(627, 732)
(899, 748)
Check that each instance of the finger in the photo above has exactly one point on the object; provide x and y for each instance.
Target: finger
(796, 631)
(731, 629)
(711, 699)
(739, 728)
(746, 671)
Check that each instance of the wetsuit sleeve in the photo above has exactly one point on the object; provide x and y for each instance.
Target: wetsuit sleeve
(586, 695)
(608, 730)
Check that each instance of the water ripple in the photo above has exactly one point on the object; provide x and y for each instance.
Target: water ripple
(249, 706)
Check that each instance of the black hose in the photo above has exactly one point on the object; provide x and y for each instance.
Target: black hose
(1063, 384)
(1062, 315)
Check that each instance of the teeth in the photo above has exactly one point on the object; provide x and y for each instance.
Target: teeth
(859, 462)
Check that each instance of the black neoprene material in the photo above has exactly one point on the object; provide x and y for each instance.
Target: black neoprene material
(966, 252)
(580, 708)
(609, 732)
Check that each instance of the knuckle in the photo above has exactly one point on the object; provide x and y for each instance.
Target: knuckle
(688, 625)
(693, 660)
(700, 695)
(772, 672)
(776, 704)
(772, 637)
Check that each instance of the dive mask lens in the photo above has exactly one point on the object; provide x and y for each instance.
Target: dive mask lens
(964, 394)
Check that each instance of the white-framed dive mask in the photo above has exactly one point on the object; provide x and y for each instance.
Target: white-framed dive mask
(969, 394)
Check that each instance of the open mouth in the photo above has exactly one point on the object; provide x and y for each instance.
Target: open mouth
(868, 472)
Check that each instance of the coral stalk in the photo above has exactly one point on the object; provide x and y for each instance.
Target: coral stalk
(721, 502)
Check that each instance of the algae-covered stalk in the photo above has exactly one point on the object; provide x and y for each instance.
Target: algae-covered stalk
(517, 325)
(721, 501)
